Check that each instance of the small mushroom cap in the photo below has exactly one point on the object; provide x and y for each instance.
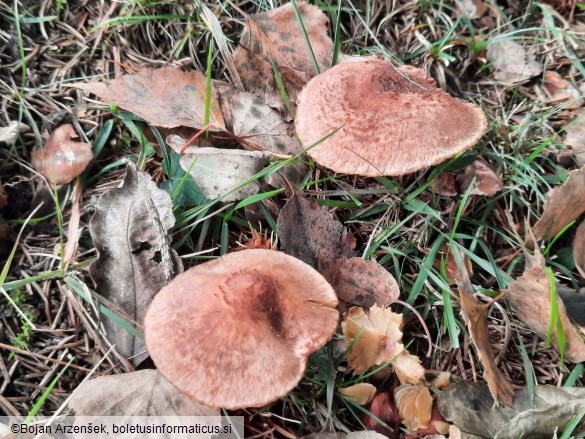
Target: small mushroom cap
(236, 332)
(62, 160)
(391, 125)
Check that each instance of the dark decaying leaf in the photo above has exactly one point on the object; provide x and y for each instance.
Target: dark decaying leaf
(262, 126)
(530, 297)
(485, 181)
(363, 283)
(142, 393)
(275, 35)
(470, 407)
(165, 97)
(129, 231)
(563, 205)
(218, 171)
(312, 233)
(475, 314)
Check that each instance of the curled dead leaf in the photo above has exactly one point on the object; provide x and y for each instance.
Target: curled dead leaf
(485, 181)
(415, 405)
(475, 314)
(564, 204)
(62, 159)
(383, 408)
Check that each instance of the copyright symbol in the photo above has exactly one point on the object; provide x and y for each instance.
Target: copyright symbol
(14, 428)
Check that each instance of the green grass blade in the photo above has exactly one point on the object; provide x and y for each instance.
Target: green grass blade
(305, 36)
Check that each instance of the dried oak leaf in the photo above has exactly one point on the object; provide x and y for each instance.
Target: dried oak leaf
(529, 296)
(563, 205)
(360, 282)
(559, 90)
(469, 406)
(129, 231)
(62, 159)
(380, 341)
(575, 138)
(475, 314)
(219, 171)
(276, 35)
(511, 62)
(142, 393)
(165, 97)
(312, 233)
(415, 405)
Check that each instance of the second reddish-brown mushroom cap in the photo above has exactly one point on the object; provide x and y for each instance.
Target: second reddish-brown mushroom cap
(393, 122)
(236, 332)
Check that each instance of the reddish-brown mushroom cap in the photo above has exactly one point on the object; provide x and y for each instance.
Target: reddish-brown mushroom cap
(392, 125)
(62, 160)
(236, 332)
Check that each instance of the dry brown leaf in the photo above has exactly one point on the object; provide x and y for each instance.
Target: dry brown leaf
(475, 314)
(529, 296)
(579, 249)
(511, 62)
(312, 233)
(129, 231)
(62, 160)
(361, 393)
(262, 125)
(487, 182)
(415, 405)
(559, 90)
(564, 204)
(165, 97)
(380, 341)
(276, 35)
(473, 8)
(142, 393)
(575, 138)
(218, 171)
(359, 282)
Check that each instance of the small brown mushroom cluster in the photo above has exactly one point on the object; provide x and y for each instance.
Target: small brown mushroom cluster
(237, 331)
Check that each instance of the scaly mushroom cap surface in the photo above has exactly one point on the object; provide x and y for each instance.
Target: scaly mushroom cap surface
(391, 125)
(237, 331)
